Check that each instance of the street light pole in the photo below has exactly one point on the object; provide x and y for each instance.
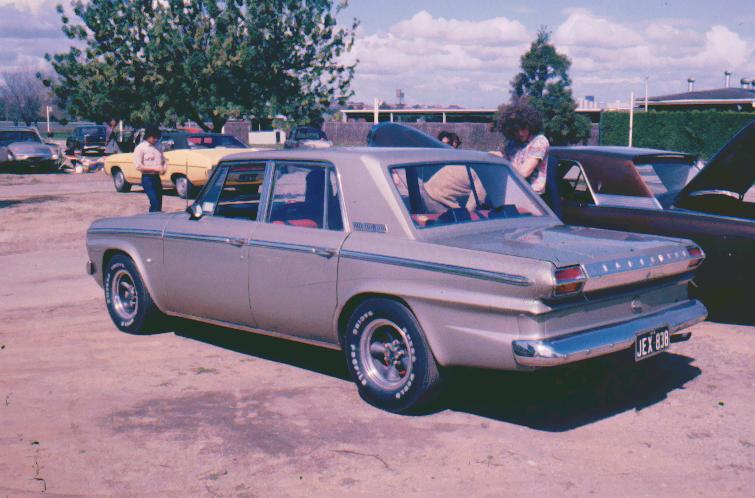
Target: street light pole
(646, 93)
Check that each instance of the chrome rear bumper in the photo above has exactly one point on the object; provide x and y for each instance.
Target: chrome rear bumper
(605, 340)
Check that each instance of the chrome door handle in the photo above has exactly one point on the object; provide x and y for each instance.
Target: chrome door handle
(325, 253)
(235, 242)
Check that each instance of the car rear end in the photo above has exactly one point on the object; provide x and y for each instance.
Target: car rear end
(94, 141)
(637, 302)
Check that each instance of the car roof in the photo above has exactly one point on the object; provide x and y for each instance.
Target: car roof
(383, 155)
(617, 151)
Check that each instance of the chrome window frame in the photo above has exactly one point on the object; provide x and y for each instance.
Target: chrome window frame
(330, 169)
(222, 169)
(521, 182)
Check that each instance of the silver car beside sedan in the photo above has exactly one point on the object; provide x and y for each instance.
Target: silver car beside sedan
(24, 147)
(407, 260)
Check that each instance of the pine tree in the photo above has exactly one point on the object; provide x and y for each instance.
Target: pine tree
(545, 81)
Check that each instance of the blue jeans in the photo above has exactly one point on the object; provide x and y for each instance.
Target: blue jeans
(154, 190)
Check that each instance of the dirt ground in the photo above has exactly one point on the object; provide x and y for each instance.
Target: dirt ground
(204, 411)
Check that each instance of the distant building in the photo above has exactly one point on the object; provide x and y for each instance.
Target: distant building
(721, 99)
(426, 114)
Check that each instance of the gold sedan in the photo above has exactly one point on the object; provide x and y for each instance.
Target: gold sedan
(190, 158)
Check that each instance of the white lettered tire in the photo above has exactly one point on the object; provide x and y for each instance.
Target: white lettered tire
(128, 301)
(389, 358)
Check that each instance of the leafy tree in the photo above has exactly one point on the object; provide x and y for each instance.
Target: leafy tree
(545, 81)
(204, 60)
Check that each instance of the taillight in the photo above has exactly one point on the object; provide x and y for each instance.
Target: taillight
(569, 280)
(697, 256)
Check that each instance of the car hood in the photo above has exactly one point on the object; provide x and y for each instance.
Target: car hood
(565, 245)
(730, 169)
(140, 224)
(30, 149)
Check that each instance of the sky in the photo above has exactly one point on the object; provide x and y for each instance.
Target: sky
(465, 52)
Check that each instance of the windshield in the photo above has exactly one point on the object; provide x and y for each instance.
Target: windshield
(439, 194)
(214, 141)
(309, 134)
(8, 137)
(93, 130)
(665, 180)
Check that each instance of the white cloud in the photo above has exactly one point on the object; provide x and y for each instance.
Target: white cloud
(33, 6)
(498, 30)
(582, 28)
(440, 60)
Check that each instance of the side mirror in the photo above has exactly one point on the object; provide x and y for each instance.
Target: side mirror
(195, 210)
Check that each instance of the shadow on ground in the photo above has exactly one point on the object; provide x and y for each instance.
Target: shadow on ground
(552, 400)
(571, 396)
(30, 200)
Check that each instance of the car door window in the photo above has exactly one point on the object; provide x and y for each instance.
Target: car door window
(572, 184)
(235, 192)
(305, 196)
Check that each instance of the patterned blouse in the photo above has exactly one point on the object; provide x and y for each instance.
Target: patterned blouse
(518, 153)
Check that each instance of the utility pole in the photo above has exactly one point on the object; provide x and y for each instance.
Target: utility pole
(646, 93)
(631, 116)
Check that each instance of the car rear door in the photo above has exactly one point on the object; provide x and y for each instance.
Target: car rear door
(294, 252)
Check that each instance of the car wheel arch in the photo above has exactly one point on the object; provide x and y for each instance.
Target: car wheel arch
(109, 253)
(354, 301)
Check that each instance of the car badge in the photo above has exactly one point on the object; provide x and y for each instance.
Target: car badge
(636, 305)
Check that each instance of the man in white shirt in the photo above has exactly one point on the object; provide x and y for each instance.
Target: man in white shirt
(149, 159)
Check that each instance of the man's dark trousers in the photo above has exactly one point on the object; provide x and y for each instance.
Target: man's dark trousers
(154, 190)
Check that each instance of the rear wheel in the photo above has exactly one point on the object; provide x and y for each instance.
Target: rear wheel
(184, 187)
(389, 358)
(120, 182)
(128, 301)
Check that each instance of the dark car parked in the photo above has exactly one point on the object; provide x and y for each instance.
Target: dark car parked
(86, 139)
(668, 193)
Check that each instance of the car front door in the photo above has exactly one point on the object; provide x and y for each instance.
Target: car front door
(207, 259)
(294, 253)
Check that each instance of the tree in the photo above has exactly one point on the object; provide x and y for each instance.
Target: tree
(204, 60)
(23, 96)
(545, 81)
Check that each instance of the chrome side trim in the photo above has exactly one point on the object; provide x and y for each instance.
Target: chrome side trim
(729, 193)
(504, 278)
(269, 333)
(605, 340)
(627, 201)
(217, 239)
(138, 232)
(284, 246)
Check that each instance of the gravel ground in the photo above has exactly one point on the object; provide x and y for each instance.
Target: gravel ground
(205, 411)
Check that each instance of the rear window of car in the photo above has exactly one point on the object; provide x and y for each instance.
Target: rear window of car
(448, 194)
(213, 141)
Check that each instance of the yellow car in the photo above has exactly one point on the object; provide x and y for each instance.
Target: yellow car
(190, 158)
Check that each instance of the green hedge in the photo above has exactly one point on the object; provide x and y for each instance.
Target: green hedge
(698, 132)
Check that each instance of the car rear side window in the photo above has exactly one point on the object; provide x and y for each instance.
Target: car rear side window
(449, 194)
(305, 196)
(240, 194)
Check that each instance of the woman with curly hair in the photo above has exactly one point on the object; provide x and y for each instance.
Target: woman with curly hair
(525, 146)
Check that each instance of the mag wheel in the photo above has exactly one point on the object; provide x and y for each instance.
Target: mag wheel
(119, 181)
(389, 358)
(128, 301)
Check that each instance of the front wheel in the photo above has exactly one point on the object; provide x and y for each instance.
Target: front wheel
(127, 298)
(389, 358)
(120, 182)
(184, 187)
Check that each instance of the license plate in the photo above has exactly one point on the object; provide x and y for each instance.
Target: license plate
(651, 343)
